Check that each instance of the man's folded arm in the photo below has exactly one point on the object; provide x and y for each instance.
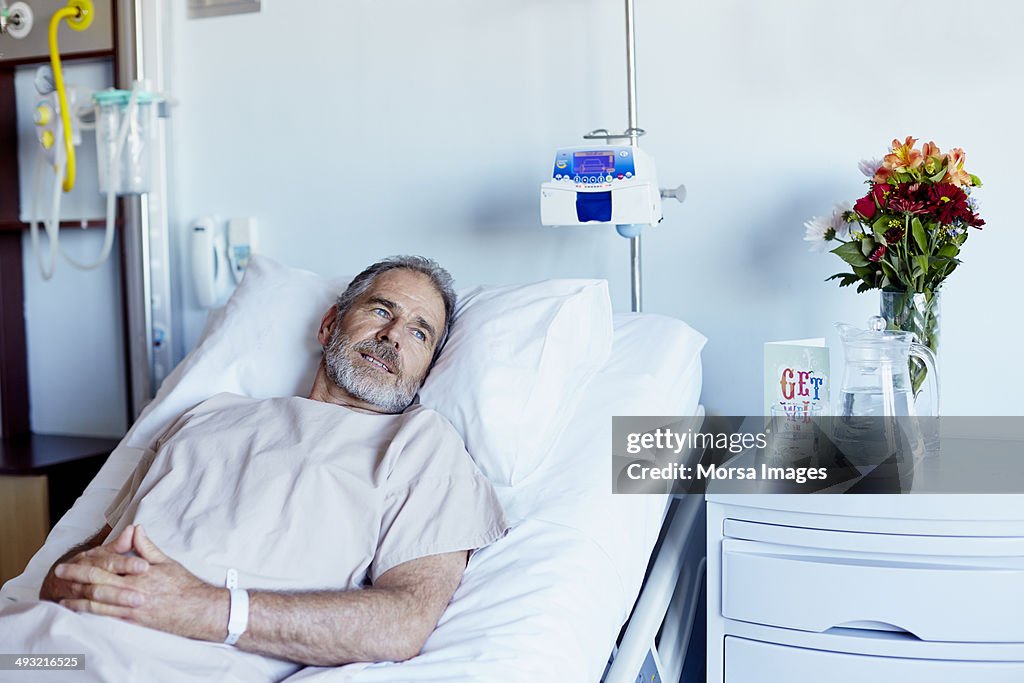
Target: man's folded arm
(389, 621)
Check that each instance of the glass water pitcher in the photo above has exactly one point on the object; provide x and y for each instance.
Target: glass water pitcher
(876, 377)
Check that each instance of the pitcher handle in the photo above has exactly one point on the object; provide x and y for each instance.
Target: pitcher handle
(928, 358)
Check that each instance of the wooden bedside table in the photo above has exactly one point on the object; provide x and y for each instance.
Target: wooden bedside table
(41, 476)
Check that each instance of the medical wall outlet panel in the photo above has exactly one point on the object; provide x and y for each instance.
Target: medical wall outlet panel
(601, 184)
(29, 39)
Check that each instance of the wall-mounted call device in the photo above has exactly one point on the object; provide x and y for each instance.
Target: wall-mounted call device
(217, 251)
(206, 262)
(241, 245)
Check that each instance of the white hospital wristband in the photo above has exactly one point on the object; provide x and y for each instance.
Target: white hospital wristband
(238, 616)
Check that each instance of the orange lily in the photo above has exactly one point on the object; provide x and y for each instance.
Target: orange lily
(955, 173)
(882, 175)
(904, 157)
(933, 158)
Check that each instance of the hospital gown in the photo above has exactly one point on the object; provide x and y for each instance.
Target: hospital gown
(291, 493)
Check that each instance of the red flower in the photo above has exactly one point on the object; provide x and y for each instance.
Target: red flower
(894, 235)
(949, 203)
(906, 205)
(877, 254)
(881, 192)
(865, 206)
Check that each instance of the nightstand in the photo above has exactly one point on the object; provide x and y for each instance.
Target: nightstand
(41, 476)
(915, 587)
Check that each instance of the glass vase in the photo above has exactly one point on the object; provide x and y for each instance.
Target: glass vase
(916, 312)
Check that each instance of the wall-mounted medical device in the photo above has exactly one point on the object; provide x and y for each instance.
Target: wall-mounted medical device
(216, 251)
(601, 184)
(242, 244)
(124, 121)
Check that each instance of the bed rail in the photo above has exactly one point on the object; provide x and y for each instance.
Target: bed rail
(668, 601)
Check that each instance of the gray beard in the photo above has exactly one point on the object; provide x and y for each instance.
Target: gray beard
(362, 381)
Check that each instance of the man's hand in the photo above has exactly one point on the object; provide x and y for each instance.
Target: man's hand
(166, 597)
(389, 621)
(100, 570)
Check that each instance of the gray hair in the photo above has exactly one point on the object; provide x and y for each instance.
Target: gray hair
(440, 278)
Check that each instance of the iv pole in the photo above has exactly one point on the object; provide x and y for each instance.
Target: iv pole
(632, 231)
(636, 263)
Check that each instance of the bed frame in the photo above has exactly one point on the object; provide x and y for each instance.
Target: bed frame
(654, 643)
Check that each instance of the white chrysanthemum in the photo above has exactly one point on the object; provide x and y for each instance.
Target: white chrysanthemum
(869, 167)
(815, 232)
(838, 223)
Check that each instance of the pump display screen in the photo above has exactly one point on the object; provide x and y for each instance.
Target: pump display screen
(593, 163)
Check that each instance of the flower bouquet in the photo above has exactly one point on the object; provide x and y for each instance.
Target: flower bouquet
(905, 235)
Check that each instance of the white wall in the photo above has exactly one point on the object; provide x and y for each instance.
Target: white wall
(297, 114)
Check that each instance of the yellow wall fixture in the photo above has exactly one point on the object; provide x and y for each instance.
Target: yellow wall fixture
(79, 15)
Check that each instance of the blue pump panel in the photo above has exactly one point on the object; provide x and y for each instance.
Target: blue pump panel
(594, 206)
(596, 166)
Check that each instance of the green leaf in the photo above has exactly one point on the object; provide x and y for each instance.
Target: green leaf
(890, 273)
(920, 236)
(847, 279)
(880, 225)
(938, 176)
(863, 287)
(850, 252)
(975, 180)
(866, 273)
(922, 261)
(949, 251)
(867, 245)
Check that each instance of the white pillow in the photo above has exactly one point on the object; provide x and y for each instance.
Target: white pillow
(513, 371)
(262, 343)
(510, 376)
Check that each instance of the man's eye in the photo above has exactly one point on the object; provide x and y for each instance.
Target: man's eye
(420, 335)
(381, 312)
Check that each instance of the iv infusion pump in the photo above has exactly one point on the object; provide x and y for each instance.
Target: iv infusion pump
(601, 184)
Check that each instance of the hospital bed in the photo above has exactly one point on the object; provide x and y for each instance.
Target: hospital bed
(548, 601)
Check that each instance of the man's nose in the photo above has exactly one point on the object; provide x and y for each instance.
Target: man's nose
(388, 333)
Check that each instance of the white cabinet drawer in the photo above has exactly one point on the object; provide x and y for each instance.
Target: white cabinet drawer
(814, 580)
(751, 661)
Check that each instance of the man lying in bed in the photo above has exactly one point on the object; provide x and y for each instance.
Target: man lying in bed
(300, 501)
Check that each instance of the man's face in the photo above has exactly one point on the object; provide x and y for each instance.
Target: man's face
(380, 351)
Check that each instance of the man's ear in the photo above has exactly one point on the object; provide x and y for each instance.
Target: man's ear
(326, 325)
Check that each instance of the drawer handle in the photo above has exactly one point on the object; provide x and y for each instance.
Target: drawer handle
(850, 628)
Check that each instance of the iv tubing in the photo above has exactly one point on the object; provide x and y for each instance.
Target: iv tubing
(79, 15)
(44, 270)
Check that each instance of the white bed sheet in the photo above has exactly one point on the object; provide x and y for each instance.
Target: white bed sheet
(545, 602)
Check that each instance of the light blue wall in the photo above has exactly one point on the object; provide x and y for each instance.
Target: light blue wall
(763, 108)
